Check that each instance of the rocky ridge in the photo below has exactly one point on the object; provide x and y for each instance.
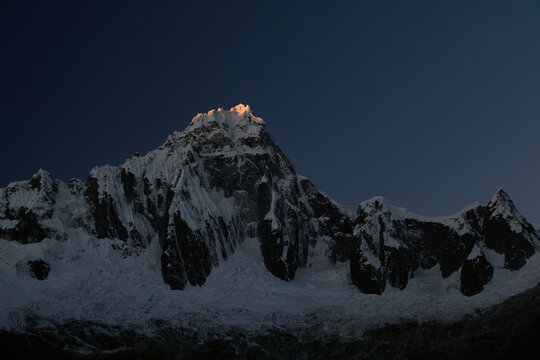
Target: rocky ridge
(394, 243)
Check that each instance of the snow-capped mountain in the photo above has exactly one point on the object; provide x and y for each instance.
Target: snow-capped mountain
(223, 180)
(200, 194)
(214, 235)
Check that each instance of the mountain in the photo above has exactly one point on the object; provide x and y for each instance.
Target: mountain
(223, 180)
(214, 233)
(200, 194)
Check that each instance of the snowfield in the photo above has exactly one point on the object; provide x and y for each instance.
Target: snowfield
(91, 281)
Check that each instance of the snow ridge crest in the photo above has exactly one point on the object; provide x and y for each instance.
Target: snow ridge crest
(238, 115)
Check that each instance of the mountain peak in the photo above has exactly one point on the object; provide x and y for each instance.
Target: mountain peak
(381, 204)
(236, 114)
(243, 109)
(40, 178)
(502, 205)
(235, 123)
(41, 173)
(501, 200)
(500, 196)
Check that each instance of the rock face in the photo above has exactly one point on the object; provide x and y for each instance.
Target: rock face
(223, 180)
(333, 222)
(394, 243)
(475, 273)
(39, 269)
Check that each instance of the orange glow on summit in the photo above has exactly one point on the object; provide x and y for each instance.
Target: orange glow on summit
(240, 109)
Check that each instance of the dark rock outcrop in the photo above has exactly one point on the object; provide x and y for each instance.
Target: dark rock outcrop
(334, 224)
(106, 220)
(475, 273)
(370, 280)
(27, 230)
(39, 269)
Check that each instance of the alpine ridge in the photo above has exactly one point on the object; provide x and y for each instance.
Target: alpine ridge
(394, 243)
(224, 180)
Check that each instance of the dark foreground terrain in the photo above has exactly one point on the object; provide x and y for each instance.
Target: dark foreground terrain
(508, 330)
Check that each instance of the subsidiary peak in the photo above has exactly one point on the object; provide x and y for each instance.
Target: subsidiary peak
(500, 196)
(501, 204)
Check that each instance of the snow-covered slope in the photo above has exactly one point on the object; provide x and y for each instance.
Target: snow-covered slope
(92, 281)
(219, 211)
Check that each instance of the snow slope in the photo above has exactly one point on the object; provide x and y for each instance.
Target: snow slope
(90, 280)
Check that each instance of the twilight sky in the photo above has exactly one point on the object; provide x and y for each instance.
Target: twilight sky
(432, 104)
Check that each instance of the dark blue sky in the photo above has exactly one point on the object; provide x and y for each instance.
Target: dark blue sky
(432, 104)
